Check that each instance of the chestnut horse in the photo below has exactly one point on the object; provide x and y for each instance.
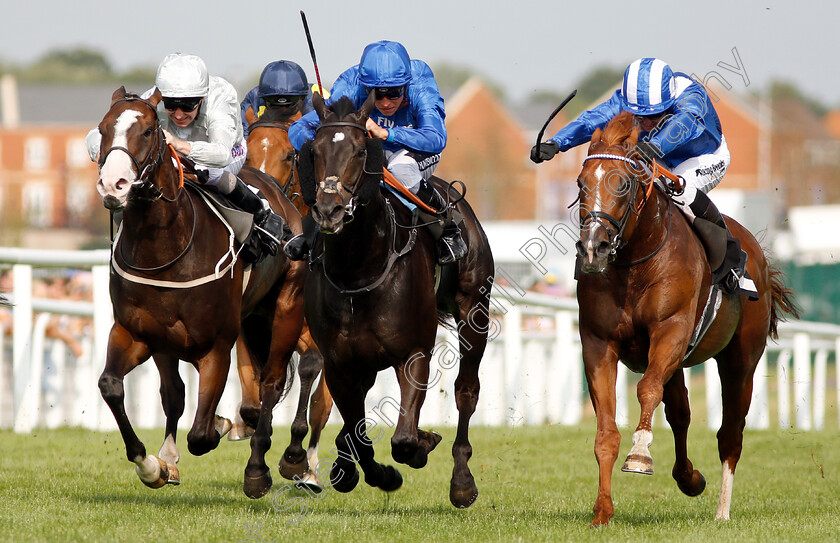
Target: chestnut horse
(644, 287)
(371, 302)
(179, 296)
(270, 151)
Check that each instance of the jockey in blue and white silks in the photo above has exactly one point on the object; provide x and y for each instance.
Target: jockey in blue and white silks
(408, 116)
(680, 128)
(282, 83)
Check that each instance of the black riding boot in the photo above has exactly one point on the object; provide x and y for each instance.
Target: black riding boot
(451, 246)
(298, 247)
(271, 229)
(724, 250)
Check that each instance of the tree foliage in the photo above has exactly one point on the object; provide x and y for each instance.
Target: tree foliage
(78, 65)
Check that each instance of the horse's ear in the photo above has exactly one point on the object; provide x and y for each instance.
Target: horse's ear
(156, 97)
(319, 105)
(633, 138)
(596, 136)
(367, 107)
(119, 94)
(250, 116)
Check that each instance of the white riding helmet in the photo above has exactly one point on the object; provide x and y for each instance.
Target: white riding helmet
(182, 76)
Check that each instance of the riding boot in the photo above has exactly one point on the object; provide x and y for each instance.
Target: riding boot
(272, 229)
(298, 247)
(726, 258)
(451, 246)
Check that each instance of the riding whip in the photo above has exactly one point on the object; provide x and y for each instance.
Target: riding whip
(554, 114)
(312, 52)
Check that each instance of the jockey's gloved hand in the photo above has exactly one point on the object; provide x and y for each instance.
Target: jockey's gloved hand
(544, 151)
(648, 151)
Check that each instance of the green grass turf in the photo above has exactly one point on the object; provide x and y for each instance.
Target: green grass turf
(535, 484)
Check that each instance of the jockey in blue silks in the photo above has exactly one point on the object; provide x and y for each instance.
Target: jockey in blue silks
(680, 128)
(408, 116)
(282, 83)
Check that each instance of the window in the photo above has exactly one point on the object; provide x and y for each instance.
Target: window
(36, 154)
(37, 204)
(77, 155)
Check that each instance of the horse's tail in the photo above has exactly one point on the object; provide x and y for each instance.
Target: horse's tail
(256, 331)
(782, 305)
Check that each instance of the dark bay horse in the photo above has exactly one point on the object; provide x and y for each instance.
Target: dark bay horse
(179, 294)
(371, 303)
(270, 151)
(645, 284)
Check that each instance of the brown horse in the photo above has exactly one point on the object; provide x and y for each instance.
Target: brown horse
(179, 296)
(644, 287)
(270, 151)
(371, 302)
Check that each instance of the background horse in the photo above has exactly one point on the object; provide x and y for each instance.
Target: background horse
(270, 151)
(178, 295)
(371, 302)
(644, 287)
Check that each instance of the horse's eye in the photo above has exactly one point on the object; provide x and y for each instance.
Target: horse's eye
(360, 153)
(290, 156)
(147, 133)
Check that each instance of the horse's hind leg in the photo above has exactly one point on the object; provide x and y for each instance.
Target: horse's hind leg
(172, 394)
(213, 369)
(124, 354)
(249, 382)
(736, 366)
(320, 406)
(678, 413)
(294, 463)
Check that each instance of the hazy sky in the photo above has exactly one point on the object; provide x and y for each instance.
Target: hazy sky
(523, 45)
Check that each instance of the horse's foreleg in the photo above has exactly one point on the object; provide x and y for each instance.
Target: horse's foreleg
(249, 382)
(213, 369)
(172, 394)
(736, 369)
(410, 445)
(667, 346)
(352, 442)
(124, 354)
(294, 462)
(600, 363)
(286, 326)
(678, 414)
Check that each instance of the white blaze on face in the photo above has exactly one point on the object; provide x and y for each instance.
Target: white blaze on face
(265, 145)
(339, 136)
(116, 175)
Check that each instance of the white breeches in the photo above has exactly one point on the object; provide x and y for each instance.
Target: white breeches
(703, 173)
(238, 154)
(408, 170)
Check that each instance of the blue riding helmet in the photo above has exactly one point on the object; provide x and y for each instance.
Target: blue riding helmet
(283, 77)
(384, 64)
(648, 87)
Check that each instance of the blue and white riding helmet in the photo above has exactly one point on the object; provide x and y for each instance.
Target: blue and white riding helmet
(384, 64)
(283, 78)
(649, 87)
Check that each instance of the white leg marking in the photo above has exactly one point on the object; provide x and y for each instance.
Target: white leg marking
(148, 469)
(725, 492)
(641, 443)
(169, 450)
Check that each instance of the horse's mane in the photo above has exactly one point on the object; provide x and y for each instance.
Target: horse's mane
(343, 107)
(619, 129)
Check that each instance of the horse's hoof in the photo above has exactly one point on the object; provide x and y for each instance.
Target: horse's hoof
(174, 475)
(694, 486)
(638, 464)
(240, 431)
(290, 470)
(391, 480)
(344, 481)
(223, 426)
(257, 487)
(309, 481)
(163, 476)
(463, 497)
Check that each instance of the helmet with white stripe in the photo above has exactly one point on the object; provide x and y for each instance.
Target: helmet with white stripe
(649, 87)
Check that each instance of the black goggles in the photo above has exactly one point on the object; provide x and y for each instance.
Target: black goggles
(391, 93)
(184, 104)
(281, 99)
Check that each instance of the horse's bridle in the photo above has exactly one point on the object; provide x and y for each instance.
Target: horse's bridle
(332, 184)
(615, 235)
(152, 160)
(287, 186)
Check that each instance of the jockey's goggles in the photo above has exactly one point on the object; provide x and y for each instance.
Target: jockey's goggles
(391, 93)
(281, 99)
(184, 104)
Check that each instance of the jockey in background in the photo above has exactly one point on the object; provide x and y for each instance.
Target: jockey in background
(679, 127)
(408, 116)
(199, 114)
(282, 84)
